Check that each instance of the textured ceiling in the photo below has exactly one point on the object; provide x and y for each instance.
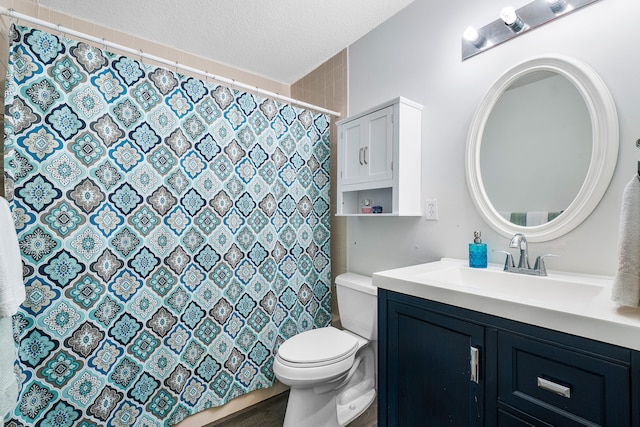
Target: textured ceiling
(282, 40)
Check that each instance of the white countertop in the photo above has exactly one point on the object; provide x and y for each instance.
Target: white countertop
(593, 316)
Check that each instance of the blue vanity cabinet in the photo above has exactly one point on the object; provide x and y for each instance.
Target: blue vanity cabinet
(544, 381)
(425, 370)
(527, 375)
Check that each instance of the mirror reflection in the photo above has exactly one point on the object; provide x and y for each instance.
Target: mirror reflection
(536, 148)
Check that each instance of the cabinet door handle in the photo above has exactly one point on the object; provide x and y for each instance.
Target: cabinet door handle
(366, 154)
(556, 388)
(474, 364)
(360, 153)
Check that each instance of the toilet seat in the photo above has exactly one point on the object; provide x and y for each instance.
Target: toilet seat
(317, 347)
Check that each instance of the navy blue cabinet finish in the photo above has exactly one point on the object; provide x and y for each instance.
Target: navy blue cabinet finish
(441, 372)
(527, 376)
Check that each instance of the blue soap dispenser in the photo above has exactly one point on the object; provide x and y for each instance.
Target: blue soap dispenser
(477, 252)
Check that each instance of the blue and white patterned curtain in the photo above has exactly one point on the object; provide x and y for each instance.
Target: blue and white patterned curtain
(174, 233)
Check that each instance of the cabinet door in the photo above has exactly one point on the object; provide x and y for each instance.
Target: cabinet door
(378, 151)
(429, 374)
(351, 151)
(366, 148)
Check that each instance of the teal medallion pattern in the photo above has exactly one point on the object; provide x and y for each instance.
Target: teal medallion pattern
(174, 233)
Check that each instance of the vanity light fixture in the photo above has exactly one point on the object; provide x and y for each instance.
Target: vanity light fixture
(511, 19)
(514, 22)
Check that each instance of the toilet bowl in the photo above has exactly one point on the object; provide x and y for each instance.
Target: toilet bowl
(332, 372)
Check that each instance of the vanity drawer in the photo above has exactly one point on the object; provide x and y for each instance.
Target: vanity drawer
(561, 386)
(508, 418)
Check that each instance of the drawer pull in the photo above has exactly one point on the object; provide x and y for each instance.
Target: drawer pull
(474, 354)
(562, 390)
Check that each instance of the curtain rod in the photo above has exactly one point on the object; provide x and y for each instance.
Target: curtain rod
(139, 53)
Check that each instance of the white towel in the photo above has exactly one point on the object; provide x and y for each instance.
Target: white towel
(537, 218)
(12, 292)
(626, 285)
(9, 388)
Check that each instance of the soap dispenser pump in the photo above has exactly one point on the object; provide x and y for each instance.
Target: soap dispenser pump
(477, 252)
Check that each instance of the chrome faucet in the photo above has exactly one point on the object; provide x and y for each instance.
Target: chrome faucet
(519, 241)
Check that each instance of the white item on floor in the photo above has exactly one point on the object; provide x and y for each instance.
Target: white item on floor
(12, 292)
(332, 372)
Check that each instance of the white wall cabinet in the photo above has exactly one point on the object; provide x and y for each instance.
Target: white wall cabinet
(379, 159)
(367, 147)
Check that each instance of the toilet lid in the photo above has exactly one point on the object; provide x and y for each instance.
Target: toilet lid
(318, 347)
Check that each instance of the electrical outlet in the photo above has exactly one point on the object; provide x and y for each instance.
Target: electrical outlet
(431, 210)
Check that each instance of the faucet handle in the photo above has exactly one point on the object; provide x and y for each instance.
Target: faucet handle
(507, 262)
(539, 265)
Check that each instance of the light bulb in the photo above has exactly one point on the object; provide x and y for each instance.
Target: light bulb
(557, 6)
(511, 19)
(472, 35)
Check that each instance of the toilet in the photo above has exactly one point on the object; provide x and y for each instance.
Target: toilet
(332, 372)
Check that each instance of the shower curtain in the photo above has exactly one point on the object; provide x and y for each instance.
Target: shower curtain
(174, 232)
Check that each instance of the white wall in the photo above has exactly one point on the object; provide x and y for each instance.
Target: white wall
(416, 54)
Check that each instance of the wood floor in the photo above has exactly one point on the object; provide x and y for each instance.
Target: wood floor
(270, 413)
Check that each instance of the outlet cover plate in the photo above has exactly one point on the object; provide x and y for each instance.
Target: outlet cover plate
(431, 210)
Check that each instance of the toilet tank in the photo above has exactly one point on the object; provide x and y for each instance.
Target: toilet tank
(358, 304)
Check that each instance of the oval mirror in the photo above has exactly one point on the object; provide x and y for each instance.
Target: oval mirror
(542, 148)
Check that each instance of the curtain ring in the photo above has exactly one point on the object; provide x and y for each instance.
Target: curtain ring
(141, 56)
(638, 143)
(60, 31)
(12, 16)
